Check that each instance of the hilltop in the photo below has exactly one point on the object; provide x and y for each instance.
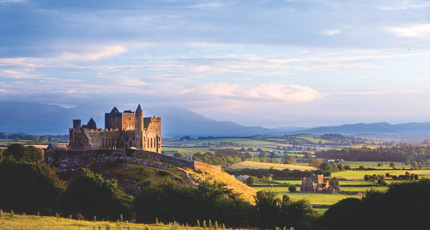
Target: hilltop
(133, 172)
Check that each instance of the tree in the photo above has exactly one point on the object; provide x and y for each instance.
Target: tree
(251, 180)
(392, 165)
(315, 163)
(289, 160)
(29, 187)
(292, 188)
(91, 195)
(273, 212)
(404, 204)
(169, 202)
(343, 213)
(20, 152)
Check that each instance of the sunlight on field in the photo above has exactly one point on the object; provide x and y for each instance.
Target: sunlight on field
(259, 165)
(374, 164)
(313, 198)
(359, 175)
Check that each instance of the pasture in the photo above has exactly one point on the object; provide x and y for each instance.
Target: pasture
(313, 198)
(374, 164)
(259, 165)
(359, 174)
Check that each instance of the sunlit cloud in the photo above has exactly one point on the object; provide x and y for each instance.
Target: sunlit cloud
(94, 55)
(404, 5)
(331, 32)
(422, 30)
(263, 92)
(207, 5)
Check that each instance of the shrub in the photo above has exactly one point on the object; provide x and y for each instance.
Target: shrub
(91, 196)
(251, 180)
(29, 187)
(292, 188)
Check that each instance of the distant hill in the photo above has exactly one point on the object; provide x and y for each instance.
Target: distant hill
(33, 118)
(381, 127)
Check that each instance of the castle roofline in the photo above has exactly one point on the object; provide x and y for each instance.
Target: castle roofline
(139, 109)
(114, 110)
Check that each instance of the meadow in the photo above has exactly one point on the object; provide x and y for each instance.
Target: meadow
(260, 165)
(313, 198)
(33, 222)
(359, 174)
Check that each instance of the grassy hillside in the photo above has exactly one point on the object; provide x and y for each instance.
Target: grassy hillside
(132, 175)
(259, 165)
(247, 193)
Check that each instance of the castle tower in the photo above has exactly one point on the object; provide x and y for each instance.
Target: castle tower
(139, 126)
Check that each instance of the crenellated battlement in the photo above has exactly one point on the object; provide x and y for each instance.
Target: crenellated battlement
(122, 130)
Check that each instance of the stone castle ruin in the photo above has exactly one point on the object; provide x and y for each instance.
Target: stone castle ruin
(122, 131)
(317, 184)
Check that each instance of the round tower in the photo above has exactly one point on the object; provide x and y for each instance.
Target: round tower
(139, 126)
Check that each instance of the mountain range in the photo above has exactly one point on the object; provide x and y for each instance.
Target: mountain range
(34, 118)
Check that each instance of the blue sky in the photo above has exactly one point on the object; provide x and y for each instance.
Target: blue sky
(269, 63)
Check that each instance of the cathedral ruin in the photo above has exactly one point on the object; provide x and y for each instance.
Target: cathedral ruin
(317, 184)
(122, 131)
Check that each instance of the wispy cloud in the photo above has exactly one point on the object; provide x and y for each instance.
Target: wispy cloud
(404, 5)
(13, 1)
(331, 32)
(422, 30)
(207, 5)
(96, 54)
(263, 92)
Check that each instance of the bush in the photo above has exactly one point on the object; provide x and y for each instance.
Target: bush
(91, 196)
(292, 188)
(20, 152)
(29, 187)
(399, 204)
(168, 203)
(251, 180)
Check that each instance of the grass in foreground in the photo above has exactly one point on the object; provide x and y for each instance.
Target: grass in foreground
(11, 222)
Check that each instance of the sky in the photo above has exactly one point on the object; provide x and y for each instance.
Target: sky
(302, 63)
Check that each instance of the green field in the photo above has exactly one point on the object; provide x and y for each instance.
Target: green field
(356, 186)
(313, 198)
(359, 175)
(259, 165)
(374, 164)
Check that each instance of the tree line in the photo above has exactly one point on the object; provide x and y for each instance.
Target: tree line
(400, 153)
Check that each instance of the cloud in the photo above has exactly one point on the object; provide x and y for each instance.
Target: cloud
(404, 5)
(285, 93)
(13, 1)
(422, 30)
(123, 81)
(96, 54)
(207, 5)
(331, 32)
